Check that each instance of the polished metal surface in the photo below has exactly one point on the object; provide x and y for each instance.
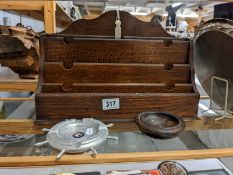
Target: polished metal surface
(77, 135)
(172, 168)
(213, 56)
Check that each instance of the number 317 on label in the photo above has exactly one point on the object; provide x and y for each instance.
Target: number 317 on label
(112, 103)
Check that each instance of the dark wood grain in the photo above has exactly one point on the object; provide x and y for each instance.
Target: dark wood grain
(71, 105)
(19, 51)
(118, 88)
(148, 70)
(115, 51)
(105, 25)
(115, 73)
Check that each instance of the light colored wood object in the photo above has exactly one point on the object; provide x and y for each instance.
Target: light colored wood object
(28, 126)
(114, 157)
(50, 16)
(9, 82)
(17, 99)
(21, 126)
(204, 97)
(40, 10)
(18, 85)
(22, 5)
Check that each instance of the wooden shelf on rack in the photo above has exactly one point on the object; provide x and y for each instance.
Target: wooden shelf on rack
(18, 85)
(114, 157)
(10, 82)
(29, 126)
(40, 10)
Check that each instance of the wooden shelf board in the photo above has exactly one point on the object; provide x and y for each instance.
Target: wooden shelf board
(26, 126)
(21, 5)
(63, 20)
(10, 82)
(29, 126)
(29, 87)
(18, 85)
(17, 99)
(114, 157)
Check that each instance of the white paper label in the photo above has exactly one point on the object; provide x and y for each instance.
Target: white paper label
(89, 131)
(112, 103)
(102, 127)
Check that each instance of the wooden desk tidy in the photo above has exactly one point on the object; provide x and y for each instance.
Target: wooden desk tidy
(145, 70)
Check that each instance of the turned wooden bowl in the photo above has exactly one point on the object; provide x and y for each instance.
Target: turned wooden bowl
(160, 125)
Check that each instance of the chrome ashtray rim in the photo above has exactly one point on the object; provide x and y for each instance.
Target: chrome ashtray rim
(89, 145)
(93, 141)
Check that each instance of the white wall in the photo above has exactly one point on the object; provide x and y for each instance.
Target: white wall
(26, 21)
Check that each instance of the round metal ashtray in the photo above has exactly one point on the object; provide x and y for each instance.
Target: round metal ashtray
(76, 136)
(172, 168)
(160, 125)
